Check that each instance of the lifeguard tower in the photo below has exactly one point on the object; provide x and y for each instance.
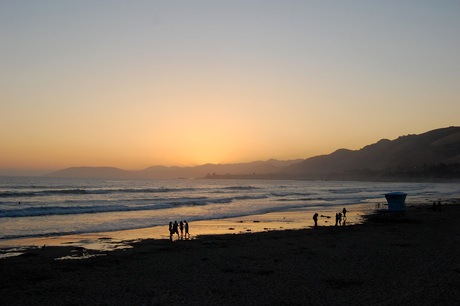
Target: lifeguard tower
(396, 201)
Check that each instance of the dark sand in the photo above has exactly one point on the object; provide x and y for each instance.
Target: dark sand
(410, 258)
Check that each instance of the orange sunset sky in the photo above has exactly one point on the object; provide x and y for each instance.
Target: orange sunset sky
(132, 84)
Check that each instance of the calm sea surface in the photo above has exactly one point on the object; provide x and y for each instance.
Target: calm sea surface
(38, 206)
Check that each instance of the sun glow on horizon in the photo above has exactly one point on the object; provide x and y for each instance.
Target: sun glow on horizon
(143, 83)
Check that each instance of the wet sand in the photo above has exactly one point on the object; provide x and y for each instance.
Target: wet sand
(297, 218)
(409, 258)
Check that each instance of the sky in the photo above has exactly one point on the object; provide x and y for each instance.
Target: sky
(132, 84)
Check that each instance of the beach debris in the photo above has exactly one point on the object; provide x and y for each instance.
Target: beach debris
(231, 228)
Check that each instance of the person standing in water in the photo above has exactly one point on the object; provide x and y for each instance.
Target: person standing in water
(315, 218)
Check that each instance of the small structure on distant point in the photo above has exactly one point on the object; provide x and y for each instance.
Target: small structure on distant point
(396, 201)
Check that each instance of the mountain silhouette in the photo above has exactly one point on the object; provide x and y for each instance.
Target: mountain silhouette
(434, 155)
(406, 154)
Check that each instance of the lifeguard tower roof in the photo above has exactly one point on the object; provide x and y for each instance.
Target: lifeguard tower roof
(396, 201)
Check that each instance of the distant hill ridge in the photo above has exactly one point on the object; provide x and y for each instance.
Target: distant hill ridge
(434, 155)
(259, 167)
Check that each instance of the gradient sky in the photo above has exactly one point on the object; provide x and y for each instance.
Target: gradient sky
(132, 84)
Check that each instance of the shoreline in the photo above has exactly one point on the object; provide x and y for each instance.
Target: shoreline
(291, 219)
(405, 259)
(287, 220)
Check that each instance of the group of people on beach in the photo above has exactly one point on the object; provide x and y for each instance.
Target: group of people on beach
(175, 227)
(339, 217)
(437, 206)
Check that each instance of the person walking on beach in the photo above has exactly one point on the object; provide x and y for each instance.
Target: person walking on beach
(187, 235)
(336, 219)
(344, 211)
(315, 218)
(170, 230)
(181, 226)
(340, 218)
(175, 229)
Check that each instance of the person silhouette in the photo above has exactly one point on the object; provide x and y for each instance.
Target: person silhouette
(187, 234)
(340, 218)
(175, 229)
(344, 211)
(181, 226)
(336, 219)
(315, 218)
(170, 230)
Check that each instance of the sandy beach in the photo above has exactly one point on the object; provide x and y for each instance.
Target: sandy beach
(409, 258)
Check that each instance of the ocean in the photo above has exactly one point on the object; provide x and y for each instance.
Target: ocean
(43, 207)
